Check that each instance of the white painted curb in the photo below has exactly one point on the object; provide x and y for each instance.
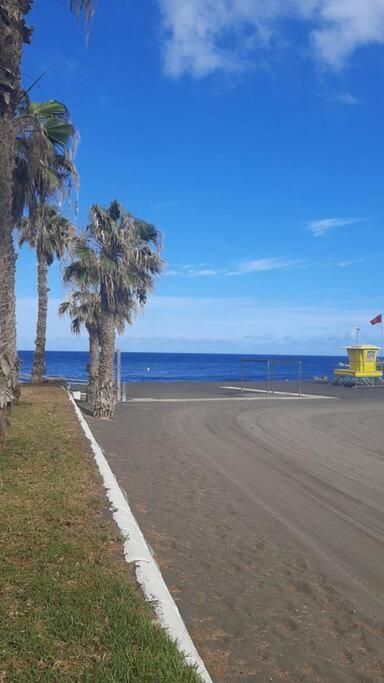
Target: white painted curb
(136, 550)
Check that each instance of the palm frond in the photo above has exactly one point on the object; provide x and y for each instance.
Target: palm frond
(119, 254)
(58, 134)
(147, 232)
(108, 264)
(46, 109)
(64, 308)
(76, 325)
(76, 272)
(83, 252)
(45, 144)
(115, 210)
(47, 231)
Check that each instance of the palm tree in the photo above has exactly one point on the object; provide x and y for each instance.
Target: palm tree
(43, 168)
(83, 306)
(120, 254)
(51, 235)
(13, 34)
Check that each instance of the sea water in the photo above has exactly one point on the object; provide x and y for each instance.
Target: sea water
(173, 367)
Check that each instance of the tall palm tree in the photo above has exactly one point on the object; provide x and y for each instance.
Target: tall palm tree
(84, 308)
(14, 32)
(120, 254)
(45, 139)
(43, 167)
(51, 235)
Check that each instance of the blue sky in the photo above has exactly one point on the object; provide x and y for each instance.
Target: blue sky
(251, 133)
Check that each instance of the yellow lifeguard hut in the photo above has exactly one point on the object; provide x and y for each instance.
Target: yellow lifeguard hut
(362, 363)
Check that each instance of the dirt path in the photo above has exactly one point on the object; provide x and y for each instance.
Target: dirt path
(268, 522)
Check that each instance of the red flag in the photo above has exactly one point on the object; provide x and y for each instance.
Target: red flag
(377, 320)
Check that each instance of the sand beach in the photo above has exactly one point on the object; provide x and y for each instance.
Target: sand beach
(267, 520)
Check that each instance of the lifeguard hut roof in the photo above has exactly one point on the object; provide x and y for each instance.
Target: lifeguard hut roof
(362, 346)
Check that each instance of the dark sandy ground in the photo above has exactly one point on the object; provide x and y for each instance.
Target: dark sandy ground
(267, 519)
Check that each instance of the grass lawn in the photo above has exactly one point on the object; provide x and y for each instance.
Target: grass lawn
(69, 606)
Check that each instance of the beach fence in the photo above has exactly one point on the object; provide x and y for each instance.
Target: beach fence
(272, 374)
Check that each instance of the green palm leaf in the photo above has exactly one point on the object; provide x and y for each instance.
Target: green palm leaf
(47, 109)
(43, 165)
(59, 134)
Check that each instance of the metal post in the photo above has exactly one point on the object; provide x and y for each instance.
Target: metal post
(124, 392)
(357, 330)
(118, 373)
(300, 377)
(268, 364)
(242, 376)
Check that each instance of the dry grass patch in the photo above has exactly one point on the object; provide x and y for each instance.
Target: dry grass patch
(69, 606)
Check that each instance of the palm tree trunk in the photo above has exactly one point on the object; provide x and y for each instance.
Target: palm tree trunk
(13, 33)
(93, 364)
(38, 368)
(7, 356)
(12, 332)
(106, 389)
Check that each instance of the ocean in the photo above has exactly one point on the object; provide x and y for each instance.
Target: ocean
(171, 367)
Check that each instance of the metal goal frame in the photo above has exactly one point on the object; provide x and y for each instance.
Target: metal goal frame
(270, 365)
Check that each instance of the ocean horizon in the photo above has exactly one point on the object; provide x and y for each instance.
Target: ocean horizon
(177, 367)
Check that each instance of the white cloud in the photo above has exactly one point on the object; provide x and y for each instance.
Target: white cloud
(324, 225)
(346, 25)
(201, 37)
(202, 270)
(244, 267)
(264, 264)
(348, 99)
(346, 264)
(194, 31)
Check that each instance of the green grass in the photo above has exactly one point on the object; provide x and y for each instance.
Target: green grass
(69, 606)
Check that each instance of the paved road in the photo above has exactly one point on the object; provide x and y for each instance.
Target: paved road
(267, 519)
